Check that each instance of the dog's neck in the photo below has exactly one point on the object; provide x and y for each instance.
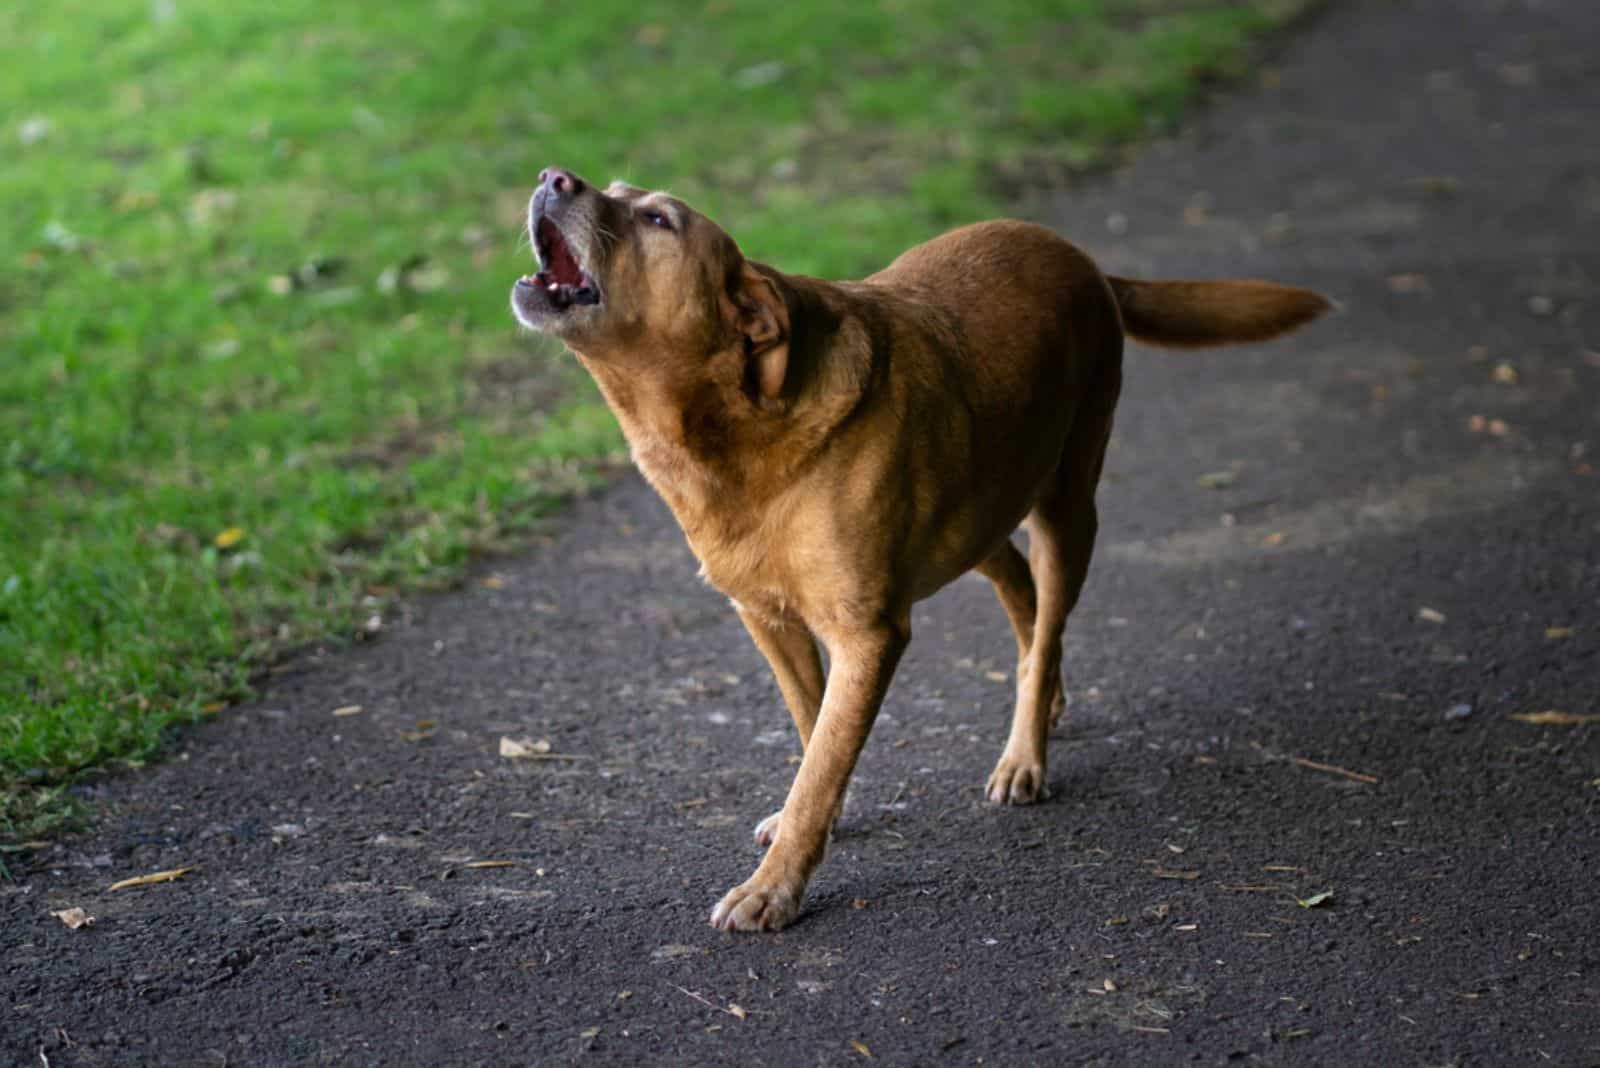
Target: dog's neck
(709, 443)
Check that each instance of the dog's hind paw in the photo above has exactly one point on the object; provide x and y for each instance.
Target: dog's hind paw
(1058, 705)
(756, 906)
(1016, 782)
(766, 831)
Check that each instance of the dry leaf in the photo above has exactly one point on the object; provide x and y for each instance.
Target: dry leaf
(735, 1010)
(1554, 717)
(1409, 283)
(1430, 615)
(1556, 633)
(1505, 374)
(1273, 540)
(1314, 900)
(493, 582)
(525, 747)
(861, 1048)
(154, 877)
(1520, 74)
(349, 710)
(74, 917)
(227, 539)
(996, 676)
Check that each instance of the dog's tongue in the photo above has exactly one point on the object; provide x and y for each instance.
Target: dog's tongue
(561, 266)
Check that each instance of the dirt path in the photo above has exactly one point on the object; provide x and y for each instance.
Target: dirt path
(1371, 586)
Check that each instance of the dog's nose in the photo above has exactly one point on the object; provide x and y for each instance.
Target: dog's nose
(561, 182)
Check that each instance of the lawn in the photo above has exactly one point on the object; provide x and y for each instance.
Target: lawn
(257, 375)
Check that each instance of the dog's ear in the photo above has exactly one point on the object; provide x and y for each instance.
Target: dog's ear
(759, 315)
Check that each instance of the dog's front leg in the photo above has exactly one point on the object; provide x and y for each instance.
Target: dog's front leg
(862, 660)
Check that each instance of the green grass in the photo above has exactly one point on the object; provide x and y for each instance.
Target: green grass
(256, 370)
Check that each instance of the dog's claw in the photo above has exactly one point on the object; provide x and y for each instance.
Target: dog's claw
(1016, 782)
(755, 907)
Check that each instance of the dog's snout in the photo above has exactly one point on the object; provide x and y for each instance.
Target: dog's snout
(561, 182)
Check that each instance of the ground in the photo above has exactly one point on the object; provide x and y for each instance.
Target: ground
(1333, 571)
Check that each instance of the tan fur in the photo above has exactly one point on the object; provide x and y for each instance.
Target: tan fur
(836, 451)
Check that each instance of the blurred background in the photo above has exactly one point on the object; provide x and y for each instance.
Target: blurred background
(257, 375)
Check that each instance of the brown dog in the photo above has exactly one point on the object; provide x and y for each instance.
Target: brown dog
(836, 451)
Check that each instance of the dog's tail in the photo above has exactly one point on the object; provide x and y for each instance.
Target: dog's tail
(1188, 315)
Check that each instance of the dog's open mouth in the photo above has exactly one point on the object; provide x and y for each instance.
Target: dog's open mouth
(561, 279)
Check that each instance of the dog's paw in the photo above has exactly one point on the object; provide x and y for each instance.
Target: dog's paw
(756, 905)
(1016, 782)
(1058, 705)
(766, 831)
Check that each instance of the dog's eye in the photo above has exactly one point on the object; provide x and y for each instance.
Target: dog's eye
(656, 218)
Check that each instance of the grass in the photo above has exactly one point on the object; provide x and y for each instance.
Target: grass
(257, 376)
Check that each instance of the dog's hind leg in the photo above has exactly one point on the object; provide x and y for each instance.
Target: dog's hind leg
(1019, 777)
(1061, 532)
(1013, 584)
(791, 650)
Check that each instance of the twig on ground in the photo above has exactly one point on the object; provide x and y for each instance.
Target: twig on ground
(732, 1010)
(1334, 769)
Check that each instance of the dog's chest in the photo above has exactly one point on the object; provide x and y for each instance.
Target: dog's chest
(747, 571)
(739, 553)
(740, 542)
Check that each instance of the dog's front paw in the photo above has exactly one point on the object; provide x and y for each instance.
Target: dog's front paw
(1016, 782)
(757, 905)
(766, 831)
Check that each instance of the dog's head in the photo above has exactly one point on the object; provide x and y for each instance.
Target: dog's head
(627, 273)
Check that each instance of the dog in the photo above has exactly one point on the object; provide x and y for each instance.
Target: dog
(837, 451)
